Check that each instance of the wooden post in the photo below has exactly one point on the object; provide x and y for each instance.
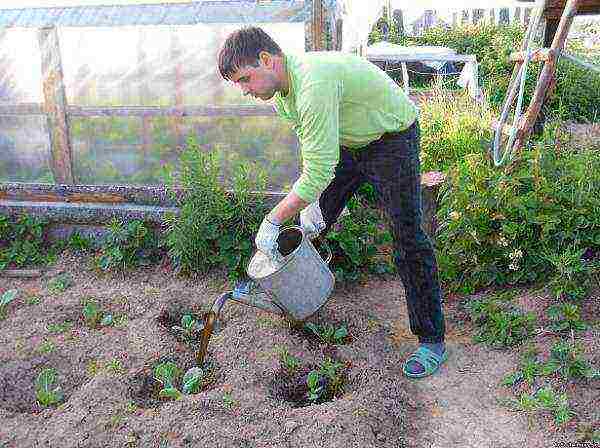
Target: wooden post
(545, 81)
(55, 105)
(317, 25)
(176, 55)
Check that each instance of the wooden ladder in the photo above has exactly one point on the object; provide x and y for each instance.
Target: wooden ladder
(546, 80)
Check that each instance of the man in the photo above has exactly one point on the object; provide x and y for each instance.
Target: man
(354, 125)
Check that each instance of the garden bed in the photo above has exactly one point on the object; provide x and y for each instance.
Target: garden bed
(251, 399)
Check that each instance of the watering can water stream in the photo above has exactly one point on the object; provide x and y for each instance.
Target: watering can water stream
(296, 286)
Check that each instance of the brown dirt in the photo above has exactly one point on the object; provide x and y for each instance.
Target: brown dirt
(461, 406)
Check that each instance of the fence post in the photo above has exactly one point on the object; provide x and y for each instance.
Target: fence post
(55, 105)
(317, 26)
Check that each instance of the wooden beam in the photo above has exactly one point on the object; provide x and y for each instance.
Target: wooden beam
(56, 106)
(553, 9)
(548, 71)
(318, 43)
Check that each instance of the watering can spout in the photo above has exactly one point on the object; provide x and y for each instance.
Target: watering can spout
(249, 293)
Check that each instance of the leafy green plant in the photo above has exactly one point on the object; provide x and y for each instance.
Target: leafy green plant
(166, 373)
(79, 242)
(498, 324)
(60, 283)
(22, 242)
(360, 241)
(326, 381)
(59, 328)
(127, 245)
(566, 317)
(328, 333)
(501, 226)
(572, 278)
(47, 391)
(5, 299)
(567, 360)
(546, 399)
(189, 327)
(290, 363)
(92, 313)
(115, 366)
(215, 227)
(192, 380)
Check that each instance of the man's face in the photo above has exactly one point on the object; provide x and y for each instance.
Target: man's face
(260, 82)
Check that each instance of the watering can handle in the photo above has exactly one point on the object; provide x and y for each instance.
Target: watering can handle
(329, 256)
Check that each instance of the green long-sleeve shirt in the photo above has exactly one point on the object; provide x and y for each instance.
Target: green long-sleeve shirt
(338, 99)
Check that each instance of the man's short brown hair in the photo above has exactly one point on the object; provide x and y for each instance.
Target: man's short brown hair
(242, 47)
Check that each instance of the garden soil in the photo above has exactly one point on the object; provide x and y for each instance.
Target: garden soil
(110, 400)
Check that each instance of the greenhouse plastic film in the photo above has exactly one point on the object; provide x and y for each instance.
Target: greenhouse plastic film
(137, 83)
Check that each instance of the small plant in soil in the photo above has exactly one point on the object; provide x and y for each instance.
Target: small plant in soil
(566, 317)
(94, 317)
(114, 366)
(189, 329)
(59, 328)
(60, 283)
(546, 399)
(498, 324)
(290, 363)
(47, 391)
(329, 334)
(166, 373)
(326, 381)
(568, 362)
(5, 299)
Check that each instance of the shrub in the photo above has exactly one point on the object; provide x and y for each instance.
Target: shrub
(502, 225)
(127, 244)
(215, 228)
(22, 242)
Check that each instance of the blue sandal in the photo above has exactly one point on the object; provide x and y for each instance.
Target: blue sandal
(429, 360)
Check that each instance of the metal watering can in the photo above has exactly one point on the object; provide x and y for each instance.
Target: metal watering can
(296, 286)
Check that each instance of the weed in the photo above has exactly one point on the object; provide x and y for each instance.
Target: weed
(567, 360)
(114, 366)
(79, 242)
(127, 245)
(498, 325)
(566, 317)
(5, 299)
(92, 313)
(59, 328)
(214, 228)
(290, 363)
(328, 333)
(46, 347)
(93, 367)
(47, 391)
(22, 242)
(33, 300)
(60, 283)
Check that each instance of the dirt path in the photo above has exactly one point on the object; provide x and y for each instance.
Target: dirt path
(457, 407)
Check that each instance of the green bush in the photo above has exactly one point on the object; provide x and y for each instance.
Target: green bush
(452, 126)
(215, 228)
(126, 245)
(360, 241)
(503, 225)
(577, 92)
(22, 242)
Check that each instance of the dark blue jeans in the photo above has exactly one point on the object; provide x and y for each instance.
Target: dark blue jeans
(391, 164)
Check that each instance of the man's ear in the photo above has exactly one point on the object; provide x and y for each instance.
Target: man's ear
(265, 58)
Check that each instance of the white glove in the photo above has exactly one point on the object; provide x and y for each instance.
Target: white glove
(266, 238)
(311, 219)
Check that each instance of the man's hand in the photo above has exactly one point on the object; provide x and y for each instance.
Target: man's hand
(266, 238)
(311, 219)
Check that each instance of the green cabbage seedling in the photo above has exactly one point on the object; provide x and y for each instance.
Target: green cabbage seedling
(165, 373)
(47, 391)
(192, 380)
(5, 299)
